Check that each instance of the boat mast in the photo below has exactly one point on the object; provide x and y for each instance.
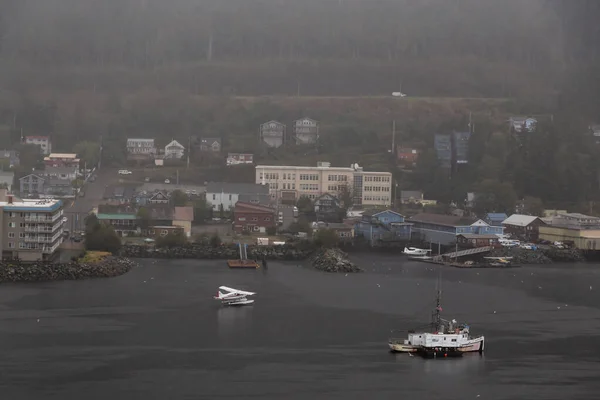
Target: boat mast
(437, 316)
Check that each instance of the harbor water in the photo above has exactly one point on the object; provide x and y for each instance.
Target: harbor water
(157, 333)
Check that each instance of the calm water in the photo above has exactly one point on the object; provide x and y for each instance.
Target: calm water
(156, 333)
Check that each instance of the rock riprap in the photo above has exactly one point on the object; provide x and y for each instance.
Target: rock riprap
(539, 256)
(334, 260)
(16, 271)
(223, 252)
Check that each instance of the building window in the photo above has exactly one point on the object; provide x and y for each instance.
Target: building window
(229, 197)
(11, 245)
(22, 245)
(255, 228)
(254, 219)
(21, 235)
(12, 225)
(214, 196)
(241, 218)
(267, 219)
(11, 235)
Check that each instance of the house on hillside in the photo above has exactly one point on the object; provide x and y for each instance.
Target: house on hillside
(240, 158)
(526, 227)
(43, 142)
(158, 198)
(522, 124)
(210, 145)
(123, 219)
(272, 133)
(443, 229)
(174, 150)
(32, 184)
(253, 218)
(406, 156)
(379, 227)
(140, 147)
(306, 131)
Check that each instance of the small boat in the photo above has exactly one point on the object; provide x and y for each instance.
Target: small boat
(233, 297)
(413, 251)
(446, 338)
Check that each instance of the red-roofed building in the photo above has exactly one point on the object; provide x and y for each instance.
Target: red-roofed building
(407, 156)
(249, 217)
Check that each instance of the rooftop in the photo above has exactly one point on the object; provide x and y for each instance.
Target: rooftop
(321, 166)
(519, 220)
(61, 155)
(475, 236)
(48, 205)
(441, 219)
(184, 213)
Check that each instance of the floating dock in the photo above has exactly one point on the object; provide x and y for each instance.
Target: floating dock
(243, 261)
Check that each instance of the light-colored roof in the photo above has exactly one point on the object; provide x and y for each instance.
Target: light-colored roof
(237, 188)
(38, 205)
(476, 236)
(176, 144)
(184, 214)
(519, 220)
(62, 155)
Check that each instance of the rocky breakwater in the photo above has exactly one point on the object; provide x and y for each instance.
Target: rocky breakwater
(333, 260)
(223, 252)
(538, 256)
(17, 271)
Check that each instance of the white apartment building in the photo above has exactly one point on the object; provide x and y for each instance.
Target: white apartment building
(141, 146)
(287, 183)
(30, 229)
(42, 141)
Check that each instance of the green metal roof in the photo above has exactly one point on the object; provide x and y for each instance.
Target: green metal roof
(116, 216)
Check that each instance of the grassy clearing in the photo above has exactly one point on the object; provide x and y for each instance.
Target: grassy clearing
(94, 256)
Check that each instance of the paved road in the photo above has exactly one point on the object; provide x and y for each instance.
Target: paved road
(77, 209)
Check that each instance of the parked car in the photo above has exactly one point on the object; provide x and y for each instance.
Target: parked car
(167, 181)
(125, 172)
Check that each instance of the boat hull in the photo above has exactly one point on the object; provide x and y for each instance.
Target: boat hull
(473, 345)
(440, 352)
(397, 347)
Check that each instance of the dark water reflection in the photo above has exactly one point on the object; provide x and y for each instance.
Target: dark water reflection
(156, 333)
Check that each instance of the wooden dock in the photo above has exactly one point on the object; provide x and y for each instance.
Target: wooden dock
(243, 261)
(437, 261)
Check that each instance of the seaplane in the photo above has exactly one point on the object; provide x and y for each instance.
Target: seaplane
(413, 251)
(233, 297)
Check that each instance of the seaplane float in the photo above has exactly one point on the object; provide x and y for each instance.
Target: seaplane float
(413, 251)
(233, 297)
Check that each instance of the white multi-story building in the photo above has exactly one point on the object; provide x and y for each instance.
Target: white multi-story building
(288, 183)
(42, 141)
(30, 229)
(141, 146)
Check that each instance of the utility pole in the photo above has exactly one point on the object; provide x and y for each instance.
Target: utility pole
(393, 136)
(188, 151)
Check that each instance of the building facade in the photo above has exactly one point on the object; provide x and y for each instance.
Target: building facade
(442, 143)
(174, 150)
(240, 158)
(406, 156)
(367, 188)
(62, 160)
(226, 194)
(272, 133)
(526, 227)
(210, 145)
(183, 217)
(460, 147)
(31, 184)
(253, 218)
(443, 229)
(306, 131)
(43, 141)
(379, 227)
(469, 240)
(31, 229)
(578, 230)
(138, 146)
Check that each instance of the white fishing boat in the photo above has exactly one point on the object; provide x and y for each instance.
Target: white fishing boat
(445, 339)
(233, 297)
(413, 251)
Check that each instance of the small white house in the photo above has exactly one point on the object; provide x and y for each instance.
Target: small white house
(174, 150)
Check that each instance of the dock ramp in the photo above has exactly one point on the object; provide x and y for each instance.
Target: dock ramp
(467, 252)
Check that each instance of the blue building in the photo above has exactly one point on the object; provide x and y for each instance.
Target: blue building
(443, 149)
(495, 219)
(460, 144)
(443, 229)
(382, 226)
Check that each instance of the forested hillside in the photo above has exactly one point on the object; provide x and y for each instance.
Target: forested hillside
(79, 69)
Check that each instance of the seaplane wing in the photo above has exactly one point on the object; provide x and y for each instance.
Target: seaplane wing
(234, 292)
(498, 258)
